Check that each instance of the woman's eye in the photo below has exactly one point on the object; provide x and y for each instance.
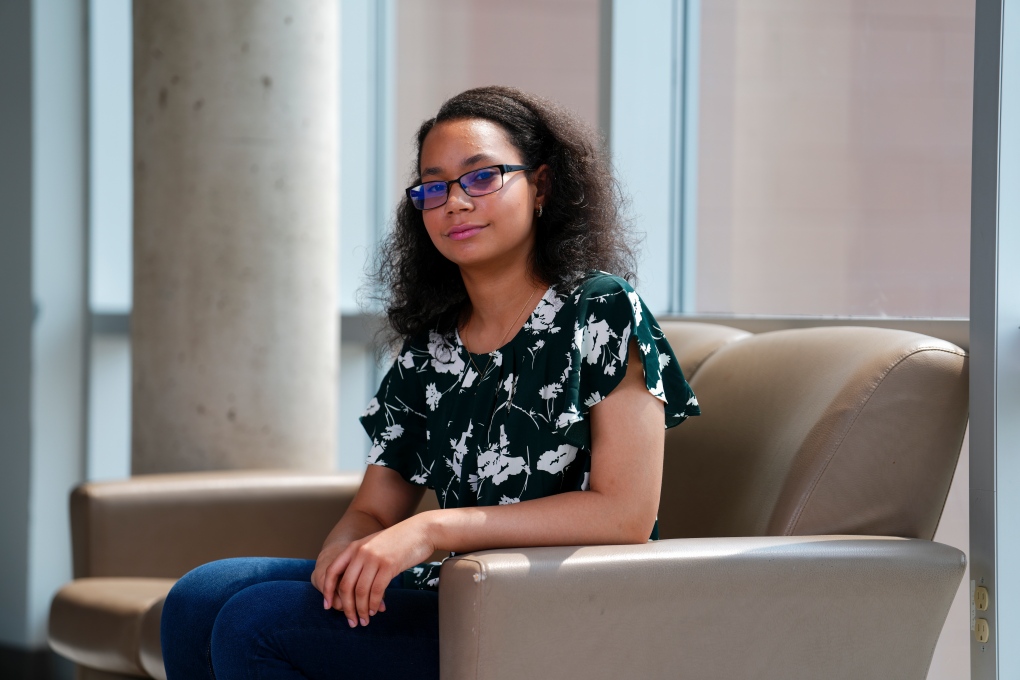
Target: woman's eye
(482, 176)
(435, 188)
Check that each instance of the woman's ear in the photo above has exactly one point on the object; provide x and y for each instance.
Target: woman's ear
(543, 183)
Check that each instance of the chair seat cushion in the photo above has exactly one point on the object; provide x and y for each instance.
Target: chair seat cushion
(110, 624)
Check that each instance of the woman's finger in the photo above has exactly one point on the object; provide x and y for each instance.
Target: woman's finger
(334, 571)
(346, 589)
(375, 598)
(363, 591)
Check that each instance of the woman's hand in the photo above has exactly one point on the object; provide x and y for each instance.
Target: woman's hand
(357, 577)
(329, 553)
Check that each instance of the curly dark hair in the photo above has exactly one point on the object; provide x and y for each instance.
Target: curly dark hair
(582, 225)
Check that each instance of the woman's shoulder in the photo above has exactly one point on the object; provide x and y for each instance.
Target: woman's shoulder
(599, 284)
(601, 293)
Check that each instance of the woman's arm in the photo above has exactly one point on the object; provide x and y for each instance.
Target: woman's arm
(383, 499)
(627, 430)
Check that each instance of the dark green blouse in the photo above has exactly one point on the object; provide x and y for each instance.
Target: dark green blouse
(513, 424)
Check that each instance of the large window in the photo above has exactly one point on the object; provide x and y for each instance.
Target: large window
(834, 157)
(549, 47)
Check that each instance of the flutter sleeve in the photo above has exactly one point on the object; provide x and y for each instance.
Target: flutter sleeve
(395, 420)
(609, 315)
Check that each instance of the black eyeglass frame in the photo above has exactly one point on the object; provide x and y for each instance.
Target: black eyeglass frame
(503, 168)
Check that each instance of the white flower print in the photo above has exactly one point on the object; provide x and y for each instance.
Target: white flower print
(374, 453)
(499, 467)
(392, 432)
(610, 369)
(658, 392)
(497, 358)
(506, 500)
(593, 399)
(469, 379)
(553, 462)
(635, 301)
(432, 396)
(584, 482)
(496, 464)
(550, 391)
(596, 335)
(473, 482)
(544, 316)
(418, 479)
(407, 360)
(509, 385)
(663, 360)
(459, 451)
(621, 356)
(445, 357)
(373, 407)
(693, 401)
(432, 582)
(417, 571)
(539, 344)
(568, 417)
(645, 347)
(566, 370)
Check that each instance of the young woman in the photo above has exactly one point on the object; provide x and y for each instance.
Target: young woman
(531, 391)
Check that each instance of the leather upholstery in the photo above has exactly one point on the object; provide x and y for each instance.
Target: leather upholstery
(816, 431)
(694, 342)
(100, 622)
(775, 608)
(150, 651)
(165, 525)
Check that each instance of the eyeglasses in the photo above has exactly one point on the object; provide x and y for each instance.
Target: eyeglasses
(479, 182)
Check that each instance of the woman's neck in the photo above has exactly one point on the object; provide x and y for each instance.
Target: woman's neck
(500, 304)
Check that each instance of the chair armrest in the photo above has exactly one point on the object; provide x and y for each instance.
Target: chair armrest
(801, 607)
(164, 525)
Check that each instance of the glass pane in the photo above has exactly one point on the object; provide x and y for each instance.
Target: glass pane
(549, 47)
(834, 157)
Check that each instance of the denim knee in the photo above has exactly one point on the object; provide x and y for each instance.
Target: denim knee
(244, 631)
(194, 602)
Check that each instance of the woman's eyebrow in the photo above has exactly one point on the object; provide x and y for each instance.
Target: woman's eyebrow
(471, 160)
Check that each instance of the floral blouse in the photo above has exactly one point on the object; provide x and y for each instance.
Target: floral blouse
(513, 424)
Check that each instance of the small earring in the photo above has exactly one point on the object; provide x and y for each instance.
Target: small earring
(539, 211)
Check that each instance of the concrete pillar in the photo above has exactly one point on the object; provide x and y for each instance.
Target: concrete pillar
(234, 325)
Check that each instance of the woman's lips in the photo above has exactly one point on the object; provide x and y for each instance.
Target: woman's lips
(463, 231)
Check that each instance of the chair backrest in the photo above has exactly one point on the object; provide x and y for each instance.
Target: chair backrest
(694, 342)
(843, 430)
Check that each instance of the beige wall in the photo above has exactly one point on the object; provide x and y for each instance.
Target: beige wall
(834, 169)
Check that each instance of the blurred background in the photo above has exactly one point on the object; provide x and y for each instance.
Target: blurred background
(789, 159)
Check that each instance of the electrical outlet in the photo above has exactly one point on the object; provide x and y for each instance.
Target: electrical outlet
(981, 630)
(981, 598)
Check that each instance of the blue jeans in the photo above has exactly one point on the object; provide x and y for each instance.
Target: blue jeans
(261, 617)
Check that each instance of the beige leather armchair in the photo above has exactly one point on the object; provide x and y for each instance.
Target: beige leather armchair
(797, 513)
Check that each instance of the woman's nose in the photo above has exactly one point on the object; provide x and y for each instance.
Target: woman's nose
(458, 199)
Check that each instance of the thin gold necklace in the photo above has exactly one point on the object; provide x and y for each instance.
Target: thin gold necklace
(514, 323)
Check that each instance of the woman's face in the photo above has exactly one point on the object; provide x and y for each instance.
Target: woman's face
(480, 232)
